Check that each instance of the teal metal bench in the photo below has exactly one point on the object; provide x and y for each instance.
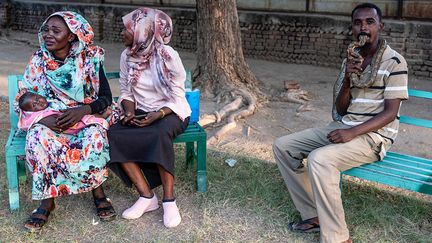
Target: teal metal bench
(195, 138)
(401, 170)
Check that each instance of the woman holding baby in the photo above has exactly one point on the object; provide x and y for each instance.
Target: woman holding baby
(67, 71)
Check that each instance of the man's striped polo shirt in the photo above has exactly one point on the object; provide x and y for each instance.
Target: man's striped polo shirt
(391, 82)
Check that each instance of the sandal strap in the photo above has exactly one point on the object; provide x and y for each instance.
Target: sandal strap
(107, 208)
(37, 221)
(42, 211)
(98, 201)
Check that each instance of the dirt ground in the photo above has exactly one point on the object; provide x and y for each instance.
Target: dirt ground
(271, 120)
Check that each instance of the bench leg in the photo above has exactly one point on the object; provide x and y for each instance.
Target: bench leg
(22, 177)
(190, 151)
(13, 185)
(201, 165)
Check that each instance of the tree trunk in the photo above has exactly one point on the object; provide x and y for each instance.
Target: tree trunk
(222, 71)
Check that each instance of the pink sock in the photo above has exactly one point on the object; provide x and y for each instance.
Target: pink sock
(171, 215)
(141, 206)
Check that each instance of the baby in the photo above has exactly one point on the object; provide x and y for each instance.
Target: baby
(33, 102)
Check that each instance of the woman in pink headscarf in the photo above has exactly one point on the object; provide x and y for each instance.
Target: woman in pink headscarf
(155, 111)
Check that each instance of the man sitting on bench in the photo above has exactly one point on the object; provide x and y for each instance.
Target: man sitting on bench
(368, 93)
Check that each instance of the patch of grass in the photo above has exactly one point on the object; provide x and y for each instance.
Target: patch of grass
(388, 215)
(247, 202)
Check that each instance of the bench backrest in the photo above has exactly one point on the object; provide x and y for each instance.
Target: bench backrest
(413, 120)
(12, 91)
(191, 96)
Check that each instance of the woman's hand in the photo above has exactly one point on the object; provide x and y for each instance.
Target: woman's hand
(129, 108)
(147, 120)
(72, 116)
(129, 116)
(50, 122)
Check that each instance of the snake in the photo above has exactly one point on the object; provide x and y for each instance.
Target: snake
(353, 52)
(358, 80)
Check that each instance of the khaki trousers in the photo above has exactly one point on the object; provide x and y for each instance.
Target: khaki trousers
(314, 188)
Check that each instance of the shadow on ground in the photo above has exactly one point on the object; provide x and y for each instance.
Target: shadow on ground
(247, 203)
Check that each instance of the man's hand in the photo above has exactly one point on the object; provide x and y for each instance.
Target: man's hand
(391, 108)
(149, 119)
(50, 122)
(341, 135)
(72, 116)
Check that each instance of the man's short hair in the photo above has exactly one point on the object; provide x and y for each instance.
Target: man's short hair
(367, 5)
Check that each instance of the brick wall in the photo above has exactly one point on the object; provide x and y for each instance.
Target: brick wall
(4, 14)
(322, 40)
(287, 37)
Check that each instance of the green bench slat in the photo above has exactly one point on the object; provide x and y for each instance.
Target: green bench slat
(416, 121)
(390, 179)
(420, 93)
(414, 165)
(412, 168)
(189, 138)
(409, 158)
(377, 173)
(112, 75)
(422, 166)
(397, 171)
(193, 129)
(190, 132)
(18, 143)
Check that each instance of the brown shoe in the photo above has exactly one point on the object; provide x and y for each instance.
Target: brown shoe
(306, 226)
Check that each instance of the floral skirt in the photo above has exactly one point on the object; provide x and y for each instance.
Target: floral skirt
(63, 164)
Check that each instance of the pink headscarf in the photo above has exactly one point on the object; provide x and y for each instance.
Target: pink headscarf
(151, 30)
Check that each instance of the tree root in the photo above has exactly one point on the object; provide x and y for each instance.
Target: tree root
(298, 96)
(250, 100)
(217, 116)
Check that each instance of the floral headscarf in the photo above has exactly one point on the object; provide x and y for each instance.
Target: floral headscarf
(72, 82)
(151, 30)
(80, 68)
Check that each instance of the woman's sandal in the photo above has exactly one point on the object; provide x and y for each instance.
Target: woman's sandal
(35, 224)
(305, 226)
(105, 213)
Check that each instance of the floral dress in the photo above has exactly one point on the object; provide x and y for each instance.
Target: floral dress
(63, 164)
